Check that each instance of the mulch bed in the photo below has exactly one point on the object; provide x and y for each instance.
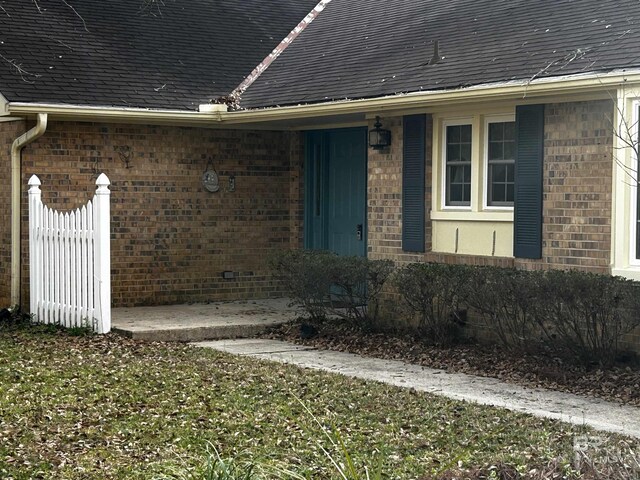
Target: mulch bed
(619, 384)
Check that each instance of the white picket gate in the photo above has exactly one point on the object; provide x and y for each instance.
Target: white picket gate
(69, 261)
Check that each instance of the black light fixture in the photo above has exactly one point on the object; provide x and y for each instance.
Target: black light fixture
(379, 138)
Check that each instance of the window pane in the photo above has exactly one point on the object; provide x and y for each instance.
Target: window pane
(456, 174)
(458, 160)
(495, 132)
(510, 130)
(455, 193)
(453, 152)
(465, 152)
(453, 134)
(509, 150)
(510, 172)
(497, 192)
(465, 133)
(501, 163)
(495, 151)
(510, 190)
(467, 174)
(467, 193)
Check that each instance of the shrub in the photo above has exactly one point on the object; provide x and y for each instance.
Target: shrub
(506, 299)
(323, 282)
(588, 314)
(306, 277)
(435, 293)
(357, 282)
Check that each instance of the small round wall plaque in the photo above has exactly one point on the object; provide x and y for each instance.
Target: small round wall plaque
(210, 181)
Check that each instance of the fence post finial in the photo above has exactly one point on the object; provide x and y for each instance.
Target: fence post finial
(102, 182)
(34, 181)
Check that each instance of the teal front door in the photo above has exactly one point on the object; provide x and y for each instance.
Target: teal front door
(336, 191)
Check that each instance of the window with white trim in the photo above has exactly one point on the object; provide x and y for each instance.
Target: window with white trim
(635, 180)
(458, 165)
(500, 157)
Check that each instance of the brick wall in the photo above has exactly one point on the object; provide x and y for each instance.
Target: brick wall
(384, 196)
(171, 239)
(296, 189)
(578, 169)
(577, 193)
(9, 131)
(384, 209)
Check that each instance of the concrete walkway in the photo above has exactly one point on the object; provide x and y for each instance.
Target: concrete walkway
(579, 410)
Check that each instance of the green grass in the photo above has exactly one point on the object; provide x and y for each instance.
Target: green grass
(105, 407)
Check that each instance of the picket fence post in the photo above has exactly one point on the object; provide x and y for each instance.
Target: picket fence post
(102, 268)
(35, 249)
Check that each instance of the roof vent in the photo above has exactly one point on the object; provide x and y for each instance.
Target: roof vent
(436, 53)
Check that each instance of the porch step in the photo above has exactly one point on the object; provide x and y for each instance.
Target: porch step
(198, 322)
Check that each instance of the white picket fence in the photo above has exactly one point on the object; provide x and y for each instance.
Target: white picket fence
(69, 261)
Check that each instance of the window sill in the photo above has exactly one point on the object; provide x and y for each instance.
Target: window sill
(632, 273)
(467, 216)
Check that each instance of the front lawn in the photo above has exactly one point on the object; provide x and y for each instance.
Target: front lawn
(107, 407)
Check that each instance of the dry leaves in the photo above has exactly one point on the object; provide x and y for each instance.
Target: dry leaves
(619, 384)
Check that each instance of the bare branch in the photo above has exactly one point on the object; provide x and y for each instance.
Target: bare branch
(627, 134)
(35, 2)
(17, 67)
(77, 14)
(152, 7)
(576, 54)
(59, 41)
(6, 13)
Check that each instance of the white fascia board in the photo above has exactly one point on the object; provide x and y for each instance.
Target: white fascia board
(521, 90)
(4, 111)
(4, 106)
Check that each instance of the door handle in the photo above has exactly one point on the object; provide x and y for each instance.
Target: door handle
(359, 232)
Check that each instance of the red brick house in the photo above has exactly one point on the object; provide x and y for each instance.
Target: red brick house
(512, 127)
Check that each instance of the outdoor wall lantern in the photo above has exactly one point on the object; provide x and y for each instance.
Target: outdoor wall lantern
(379, 138)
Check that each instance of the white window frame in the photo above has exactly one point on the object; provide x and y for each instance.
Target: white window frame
(633, 210)
(451, 122)
(485, 161)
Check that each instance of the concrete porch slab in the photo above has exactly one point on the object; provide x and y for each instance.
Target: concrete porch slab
(197, 322)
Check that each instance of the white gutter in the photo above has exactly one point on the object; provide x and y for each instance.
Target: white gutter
(16, 175)
(217, 115)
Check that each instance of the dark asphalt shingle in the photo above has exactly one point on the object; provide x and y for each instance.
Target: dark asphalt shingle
(370, 48)
(176, 54)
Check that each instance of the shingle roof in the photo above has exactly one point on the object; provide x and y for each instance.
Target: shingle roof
(171, 54)
(370, 48)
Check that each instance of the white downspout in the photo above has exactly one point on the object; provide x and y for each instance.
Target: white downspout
(16, 175)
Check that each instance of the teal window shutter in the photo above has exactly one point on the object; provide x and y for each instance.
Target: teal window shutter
(413, 187)
(527, 215)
